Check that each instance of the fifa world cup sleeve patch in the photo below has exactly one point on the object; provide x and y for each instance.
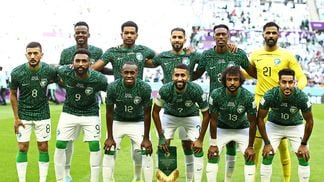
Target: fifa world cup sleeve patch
(167, 165)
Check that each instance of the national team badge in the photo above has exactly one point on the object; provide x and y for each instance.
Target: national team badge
(188, 103)
(185, 60)
(139, 56)
(277, 61)
(137, 100)
(240, 109)
(43, 82)
(293, 109)
(88, 91)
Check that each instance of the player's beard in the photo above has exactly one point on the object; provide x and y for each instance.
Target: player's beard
(232, 88)
(287, 92)
(177, 47)
(271, 42)
(180, 85)
(80, 71)
(33, 63)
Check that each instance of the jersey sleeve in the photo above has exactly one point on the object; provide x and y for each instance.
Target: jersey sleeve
(304, 103)
(160, 100)
(103, 82)
(300, 75)
(110, 98)
(149, 53)
(147, 96)
(157, 60)
(202, 100)
(251, 105)
(213, 104)
(266, 101)
(107, 56)
(244, 60)
(202, 62)
(13, 82)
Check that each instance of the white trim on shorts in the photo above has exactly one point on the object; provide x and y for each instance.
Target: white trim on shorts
(42, 130)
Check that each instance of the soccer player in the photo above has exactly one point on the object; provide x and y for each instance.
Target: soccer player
(81, 36)
(179, 100)
(128, 113)
(30, 108)
(285, 103)
(233, 113)
(128, 51)
(215, 61)
(268, 61)
(80, 109)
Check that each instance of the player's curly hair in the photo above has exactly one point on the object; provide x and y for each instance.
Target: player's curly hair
(233, 70)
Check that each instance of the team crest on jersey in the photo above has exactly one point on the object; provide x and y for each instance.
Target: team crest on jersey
(188, 103)
(88, 91)
(137, 100)
(293, 109)
(139, 56)
(43, 82)
(185, 60)
(277, 61)
(240, 109)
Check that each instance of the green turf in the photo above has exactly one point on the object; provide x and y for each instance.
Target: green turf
(80, 164)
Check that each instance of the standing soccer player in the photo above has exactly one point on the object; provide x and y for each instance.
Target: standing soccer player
(31, 109)
(81, 36)
(285, 121)
(179, 100)
(128, 113)
(80, 109)
(128, 51)
(233, 113)
(215, 61)
(268, 61)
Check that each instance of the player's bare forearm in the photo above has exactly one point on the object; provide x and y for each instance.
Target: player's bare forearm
(14, 103)
(213, 125)
(204, 125)
(156, 119)
(308, 116)
(261, 126)
(149, 64)
(109, 120)
(197, 74)
(107, 71)
(252, 129)
(98, 65)
(147, 121)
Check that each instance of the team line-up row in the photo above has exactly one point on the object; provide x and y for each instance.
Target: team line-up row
(231, 113)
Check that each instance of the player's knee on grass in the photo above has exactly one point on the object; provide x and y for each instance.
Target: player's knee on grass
(231, 148)
(42, 146)
(94, 146)
(61, 144)
(268, 160)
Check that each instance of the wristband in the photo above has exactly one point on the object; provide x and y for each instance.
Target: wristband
(303, 143)
(213, 142)
(267, 142)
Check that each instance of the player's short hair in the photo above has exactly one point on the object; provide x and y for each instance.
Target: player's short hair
(179, 29)
(221, 26)
(286, 71)
(130, 63)
(129, 24)
(82, 51)
(182, 66)
(33, 45)
(81, 23)
(233, 70)
(271, 24)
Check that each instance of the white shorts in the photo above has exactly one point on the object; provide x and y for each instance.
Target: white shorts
(293, 133)
(191, 126)
(240, 136)
(134, 130)
(42, 130)
(69, 127)
(182, 132)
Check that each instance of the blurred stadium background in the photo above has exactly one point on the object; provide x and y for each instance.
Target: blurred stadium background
(51, 23)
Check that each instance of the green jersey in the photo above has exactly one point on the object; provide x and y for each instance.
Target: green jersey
(32, 87)
(285, 111)
(81, 95)
(117, 56)
(232, 110)
(67, 54)
(168, 61)
(182, 104)
(129, 101)
(215, 63)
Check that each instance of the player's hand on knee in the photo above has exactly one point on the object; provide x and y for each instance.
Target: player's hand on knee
(267, 150)
(213, 152)
(147, 145)
(109, 143)
(197, 146)
(17, 124)
(303, 152)
(249, 154)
